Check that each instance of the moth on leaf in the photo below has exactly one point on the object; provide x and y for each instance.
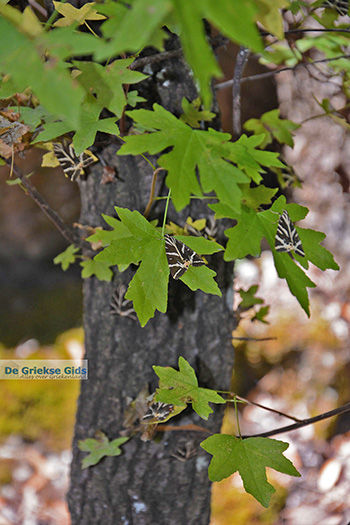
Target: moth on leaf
(180, 257)
(287, 238)
(158, 411)
(72, 164)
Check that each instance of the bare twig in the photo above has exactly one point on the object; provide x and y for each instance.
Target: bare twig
(38, 7)
(311, 30)
(241, 61)
(269, 409)
(304, 422)
(151, 195)
(53, 216)
(254, 338)
(158, 57)
(228, 83)
(281, 430)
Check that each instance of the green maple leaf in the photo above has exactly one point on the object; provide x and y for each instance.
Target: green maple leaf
(261, 314)
(122, 29)
(90, 124)
(72, 15)
(249, 457)
(245, 154)
(99, 448)
(208, 151)
(255, 197)
(248, 298)
(245, 239)
(193, 115)
(93, 267)
(181, 387)
(234, 20)
(133, 240)
(272, 126)
(106, 82)
(66, 258)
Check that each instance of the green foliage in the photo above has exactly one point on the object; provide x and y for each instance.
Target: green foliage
(249, 457)
(53, 86)
(98, 268)
(261, 314)
(67, 257)
(245, 239)
(209, 151)
(70, 78)
(133, 240)
(181, 387)
(272, 126)
(106, 82)
(193, 115)
(99, 448)
(248, 298)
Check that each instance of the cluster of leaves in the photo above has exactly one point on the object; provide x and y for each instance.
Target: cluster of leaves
(197, 161)
(55, 94)
(249, 457)
(249, 300)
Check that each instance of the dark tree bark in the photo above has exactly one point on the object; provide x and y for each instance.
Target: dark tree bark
(146, 484)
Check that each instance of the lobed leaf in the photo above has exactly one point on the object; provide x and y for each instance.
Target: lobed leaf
(181, 387)
(249, 457)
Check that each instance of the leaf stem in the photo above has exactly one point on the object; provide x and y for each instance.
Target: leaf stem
(165, 212)
(237, 417)
(90, 29)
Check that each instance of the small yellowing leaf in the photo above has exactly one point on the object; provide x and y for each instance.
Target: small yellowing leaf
(72, 15)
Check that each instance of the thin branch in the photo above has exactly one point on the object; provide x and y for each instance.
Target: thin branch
(153, 59)
(310, 30)
(304, 422)
(241, 61)
(38, 7)
(184, 428)
(269, 409)
(228, 83)
(254, 338)
(151, 196)
(53, 216)
(281, 430)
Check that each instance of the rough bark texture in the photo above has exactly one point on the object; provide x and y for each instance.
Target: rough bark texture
(146, 485)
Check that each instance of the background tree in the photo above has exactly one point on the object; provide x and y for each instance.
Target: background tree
(147, 484)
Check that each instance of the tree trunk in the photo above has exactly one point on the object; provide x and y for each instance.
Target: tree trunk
(146, 484)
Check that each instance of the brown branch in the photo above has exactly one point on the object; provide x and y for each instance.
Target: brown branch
(151, 195)
(254, 338)
(228, 83)
(303, 422)
(153, 59)
(53, 216)
(311, 30)
(38, 7)
(241, 61)
(269, 409)
(184, 428)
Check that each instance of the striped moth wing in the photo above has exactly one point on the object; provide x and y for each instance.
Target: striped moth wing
(72, 164)
(158, 411)
(180, 257)
(287, 238)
